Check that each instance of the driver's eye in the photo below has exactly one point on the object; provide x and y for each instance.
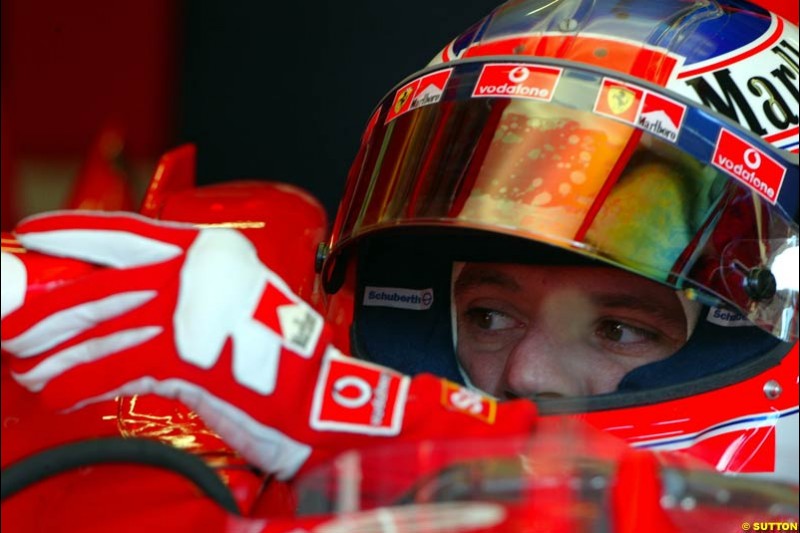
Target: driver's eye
(619, 332)
(490, 319)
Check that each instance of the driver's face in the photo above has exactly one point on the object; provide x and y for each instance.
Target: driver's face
(526, 331)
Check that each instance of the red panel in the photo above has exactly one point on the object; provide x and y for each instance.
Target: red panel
(70, 68)
(788, 9)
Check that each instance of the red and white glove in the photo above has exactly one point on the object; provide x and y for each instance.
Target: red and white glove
(193, 314)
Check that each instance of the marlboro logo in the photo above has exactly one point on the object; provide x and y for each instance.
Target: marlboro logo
(420, 92)
(661, 116)
(636, 106)
(758, 89)
(517, 80)
(750, 165)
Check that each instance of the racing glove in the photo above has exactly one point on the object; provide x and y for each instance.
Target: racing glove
(192, 314)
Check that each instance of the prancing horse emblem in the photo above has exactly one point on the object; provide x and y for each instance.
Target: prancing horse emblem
(620, 99)
(401, 99)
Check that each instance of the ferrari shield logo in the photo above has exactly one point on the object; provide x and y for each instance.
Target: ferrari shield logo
(420, 92)
(620, 99)
(402, 98)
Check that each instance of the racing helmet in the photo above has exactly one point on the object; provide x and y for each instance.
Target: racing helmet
(659, 138)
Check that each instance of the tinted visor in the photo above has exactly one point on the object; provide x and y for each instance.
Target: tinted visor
(600, 166)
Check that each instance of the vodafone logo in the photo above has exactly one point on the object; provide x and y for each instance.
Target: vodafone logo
(748, 164)
(358, 397)
(517, 80)
(752, 159)
(359, 392)
(519, 74)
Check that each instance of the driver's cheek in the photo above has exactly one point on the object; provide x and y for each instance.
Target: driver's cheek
(483, 367)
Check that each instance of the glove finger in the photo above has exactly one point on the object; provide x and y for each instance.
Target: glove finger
(116, 239)
(104, 378)
(15, 281)
(71, 322)
(70, 310)
(106, 337)
(85, 352)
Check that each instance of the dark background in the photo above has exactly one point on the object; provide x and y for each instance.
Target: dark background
(267, 90)
(283, 91)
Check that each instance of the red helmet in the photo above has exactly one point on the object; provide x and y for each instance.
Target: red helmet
(659, 138)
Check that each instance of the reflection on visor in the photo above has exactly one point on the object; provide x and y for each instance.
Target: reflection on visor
(554, 172)
(543, 169)
(564, 172)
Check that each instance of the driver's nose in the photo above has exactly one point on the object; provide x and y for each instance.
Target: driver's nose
(538, 366)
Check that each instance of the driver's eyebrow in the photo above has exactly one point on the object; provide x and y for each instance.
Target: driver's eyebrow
(638, 303)
(477, 277)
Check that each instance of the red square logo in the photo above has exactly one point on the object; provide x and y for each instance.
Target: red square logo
(661, 116)
(402, 100)
(749, 164)
(517, 80)
(354, 396)
(619, 100)
(423, 91)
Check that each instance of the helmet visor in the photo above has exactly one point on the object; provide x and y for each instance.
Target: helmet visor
(611, 170)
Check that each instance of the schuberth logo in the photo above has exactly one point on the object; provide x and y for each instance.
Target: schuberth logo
(517, 80)
(358, 397)
(412, 299)
(421, 92)
(727, 318)
(749, 165)
(633, 105)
